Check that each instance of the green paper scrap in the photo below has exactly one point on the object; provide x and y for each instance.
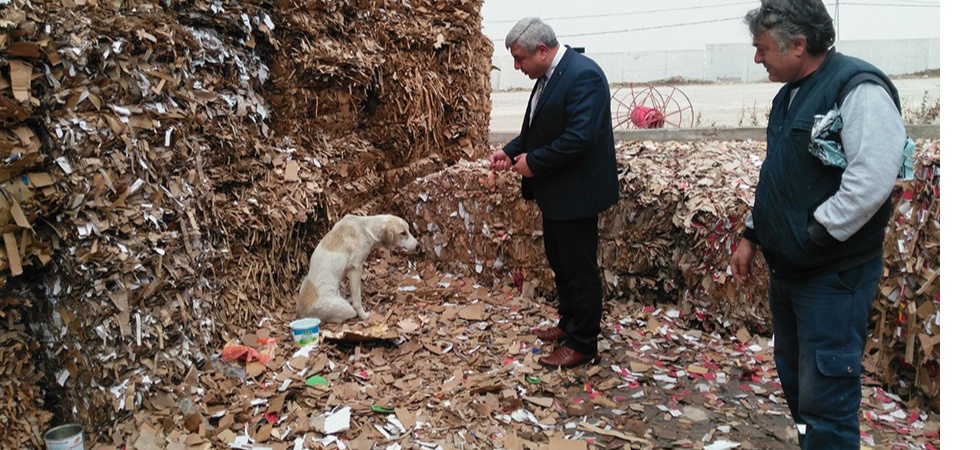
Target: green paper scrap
(316, 380)
(382, 409)
(532, 380)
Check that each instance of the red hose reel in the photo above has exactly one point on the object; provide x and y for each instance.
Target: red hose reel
(642, 107)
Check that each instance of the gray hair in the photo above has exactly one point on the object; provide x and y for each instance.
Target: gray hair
(789, 19)
(529, 32)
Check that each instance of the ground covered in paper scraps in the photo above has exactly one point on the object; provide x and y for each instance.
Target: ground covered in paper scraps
(442, 363)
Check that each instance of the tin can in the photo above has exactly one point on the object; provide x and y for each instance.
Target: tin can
(65, 437)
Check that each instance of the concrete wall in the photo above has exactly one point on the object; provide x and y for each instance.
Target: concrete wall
(732, 62)
(728, 62)
(908, 56)
(640, 67)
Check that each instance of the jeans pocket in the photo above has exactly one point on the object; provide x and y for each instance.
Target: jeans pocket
(843, 362)
(850, 279)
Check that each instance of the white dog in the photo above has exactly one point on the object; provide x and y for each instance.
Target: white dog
(343, 251)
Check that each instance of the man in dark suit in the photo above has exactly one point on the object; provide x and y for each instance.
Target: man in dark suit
(567, 159)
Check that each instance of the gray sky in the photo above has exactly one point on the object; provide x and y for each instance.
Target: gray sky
(598, 25)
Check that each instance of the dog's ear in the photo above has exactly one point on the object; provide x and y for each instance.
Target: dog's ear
(388, 235)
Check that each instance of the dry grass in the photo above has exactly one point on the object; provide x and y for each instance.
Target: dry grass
(755, 116)
(925, 113)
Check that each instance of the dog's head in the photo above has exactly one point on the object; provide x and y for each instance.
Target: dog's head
(395, 234)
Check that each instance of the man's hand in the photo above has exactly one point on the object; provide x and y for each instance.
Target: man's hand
(499, 160)
(520, 166)
(741, 261)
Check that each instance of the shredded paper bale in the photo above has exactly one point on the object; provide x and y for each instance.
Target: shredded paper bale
(905, 348)
(23, 416)
(169, 166)
(668, 238)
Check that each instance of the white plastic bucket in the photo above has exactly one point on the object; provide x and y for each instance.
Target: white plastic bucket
(306, 331)
(65, 437)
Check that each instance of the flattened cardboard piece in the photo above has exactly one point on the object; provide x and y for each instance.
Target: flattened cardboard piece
(18, 214)
(374, 333)
(405, 417)
(20, 79)
(292, 171)
(40, 179)
(10, 111)
(23, 50)
(5, 214)
(25, 135)
(559, 443)
(475, 311)
(53, 57)
(13, 254)
(17, 189)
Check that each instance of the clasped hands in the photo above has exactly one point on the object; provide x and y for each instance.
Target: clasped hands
(500, 161)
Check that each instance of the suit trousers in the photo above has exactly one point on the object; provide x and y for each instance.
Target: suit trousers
(571, 247)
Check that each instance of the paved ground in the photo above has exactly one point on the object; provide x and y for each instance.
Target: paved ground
(712, 105)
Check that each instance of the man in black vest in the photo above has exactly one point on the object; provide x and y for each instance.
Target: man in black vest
(567, 160)
(818, 219)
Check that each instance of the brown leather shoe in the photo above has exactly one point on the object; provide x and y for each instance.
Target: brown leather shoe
(565, 357)
(550, 334)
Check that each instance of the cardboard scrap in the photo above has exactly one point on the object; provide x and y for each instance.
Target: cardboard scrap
(592, 428)
(543, 402)
(473, 311)
(406, 418)
(292, 171)
(20, 79)
(556, 443)
(373, 333)
(23, 50)
(12, 254)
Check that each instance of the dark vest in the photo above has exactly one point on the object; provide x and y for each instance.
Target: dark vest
(792, 182)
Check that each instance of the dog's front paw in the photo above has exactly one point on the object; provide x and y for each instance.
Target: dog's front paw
(363, 315)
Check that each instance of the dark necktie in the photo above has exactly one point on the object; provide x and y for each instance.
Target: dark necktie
(538, 88)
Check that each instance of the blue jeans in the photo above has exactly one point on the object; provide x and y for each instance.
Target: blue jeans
(821, 328)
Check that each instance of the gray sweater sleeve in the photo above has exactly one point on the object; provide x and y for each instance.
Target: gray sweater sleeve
(873, 138)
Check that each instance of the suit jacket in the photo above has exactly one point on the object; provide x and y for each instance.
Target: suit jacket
(569, 143)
